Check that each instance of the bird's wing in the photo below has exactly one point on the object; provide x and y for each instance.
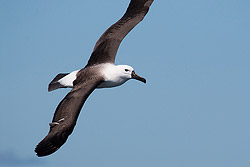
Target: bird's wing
(65, 117)
(106, 47)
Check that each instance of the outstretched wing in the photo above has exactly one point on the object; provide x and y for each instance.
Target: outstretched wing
(106, 47)
(65, 117)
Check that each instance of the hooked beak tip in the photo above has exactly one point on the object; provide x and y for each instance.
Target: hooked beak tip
(143, 80)
(137, 77)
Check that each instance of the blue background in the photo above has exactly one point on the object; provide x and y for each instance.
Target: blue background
(194, 110)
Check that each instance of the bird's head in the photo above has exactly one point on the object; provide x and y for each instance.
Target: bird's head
(128, 72)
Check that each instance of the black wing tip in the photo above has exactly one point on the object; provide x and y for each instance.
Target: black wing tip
(139, 4)
(45, 148)
(51, 143)
(148, 3)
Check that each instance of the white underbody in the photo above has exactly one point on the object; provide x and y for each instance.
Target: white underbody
(112, 74)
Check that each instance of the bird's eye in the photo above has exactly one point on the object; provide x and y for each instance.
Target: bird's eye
(126, 70)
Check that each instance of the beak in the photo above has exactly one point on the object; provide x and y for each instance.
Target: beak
(137, 77)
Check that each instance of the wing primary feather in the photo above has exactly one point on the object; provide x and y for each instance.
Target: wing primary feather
(106, 47)
(66, 116)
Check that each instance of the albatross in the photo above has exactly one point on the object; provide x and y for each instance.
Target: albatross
(100, 72)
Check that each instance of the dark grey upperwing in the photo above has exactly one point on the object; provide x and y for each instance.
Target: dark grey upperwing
(106, 47)
(65, 117)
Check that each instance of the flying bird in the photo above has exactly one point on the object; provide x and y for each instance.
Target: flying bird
(100, 72)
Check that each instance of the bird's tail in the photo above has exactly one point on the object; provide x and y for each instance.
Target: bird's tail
(55, 84)
(63, 80)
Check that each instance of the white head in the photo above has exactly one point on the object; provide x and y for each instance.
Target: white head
(127, 72)
(117, 75)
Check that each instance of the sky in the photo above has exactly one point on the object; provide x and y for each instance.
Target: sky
(194, 110)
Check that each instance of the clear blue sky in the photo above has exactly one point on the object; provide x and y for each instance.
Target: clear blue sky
(194, 110)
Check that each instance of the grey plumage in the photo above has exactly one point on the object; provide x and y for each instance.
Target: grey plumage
(106, 47)
(88, 78)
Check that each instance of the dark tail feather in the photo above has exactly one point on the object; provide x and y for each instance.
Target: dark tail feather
(54, 84)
